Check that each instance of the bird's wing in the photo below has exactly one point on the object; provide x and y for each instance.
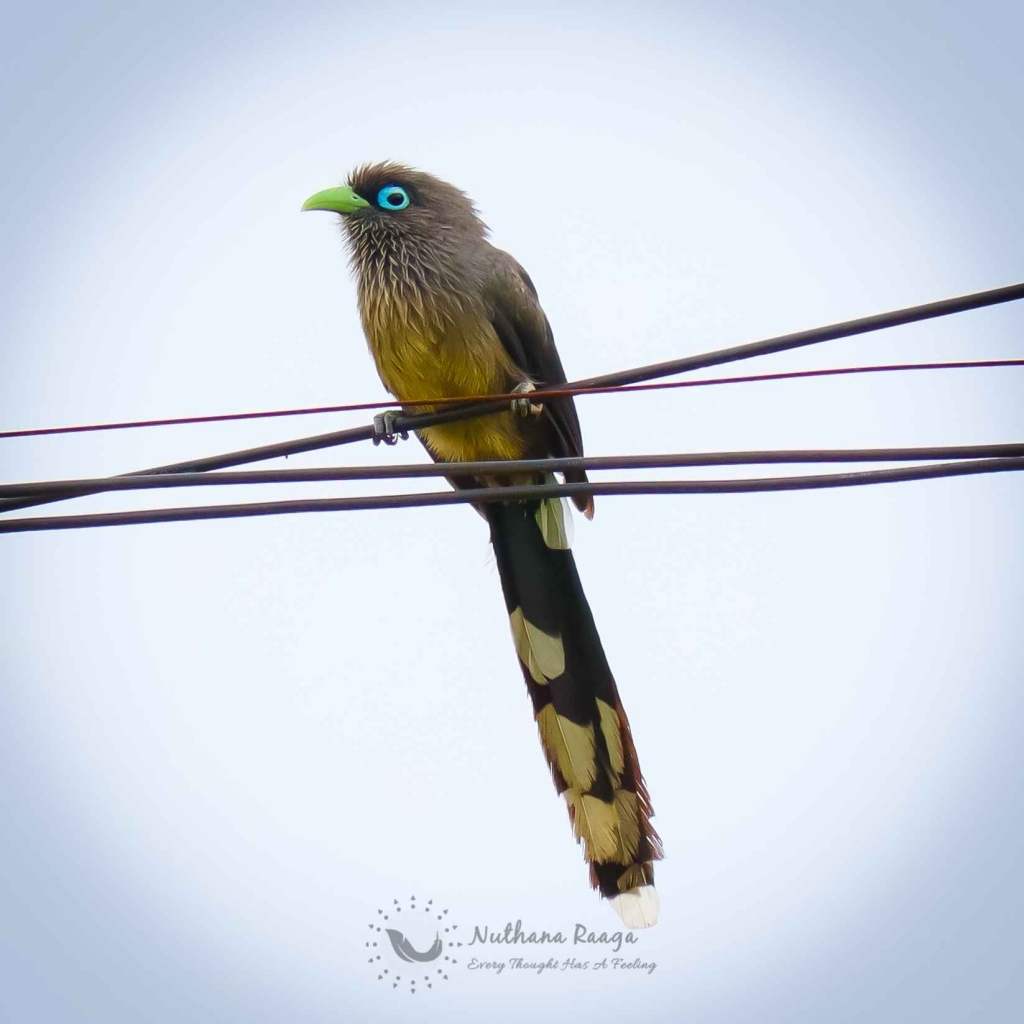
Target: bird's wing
(520, 323)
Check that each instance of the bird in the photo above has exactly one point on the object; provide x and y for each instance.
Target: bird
(446, 315)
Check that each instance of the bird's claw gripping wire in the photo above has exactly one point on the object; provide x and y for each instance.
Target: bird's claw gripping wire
(384, 427)
(523, 406)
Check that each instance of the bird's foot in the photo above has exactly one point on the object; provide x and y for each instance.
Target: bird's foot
(384, 427)
(523, 406)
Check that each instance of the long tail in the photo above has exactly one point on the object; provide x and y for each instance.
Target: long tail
(583, 727)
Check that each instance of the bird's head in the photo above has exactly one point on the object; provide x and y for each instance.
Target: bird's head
(389, 201)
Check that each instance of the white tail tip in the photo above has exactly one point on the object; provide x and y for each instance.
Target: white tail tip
(639, 907)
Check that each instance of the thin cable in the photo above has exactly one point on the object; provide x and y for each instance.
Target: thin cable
(503, 468)
(178, 421)
(879, 321)
(491, 494)
(814, 336)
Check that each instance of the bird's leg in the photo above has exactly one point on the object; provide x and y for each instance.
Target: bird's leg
(384, 427)
(523, 406)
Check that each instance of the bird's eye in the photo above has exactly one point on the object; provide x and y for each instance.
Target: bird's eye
(392, 197)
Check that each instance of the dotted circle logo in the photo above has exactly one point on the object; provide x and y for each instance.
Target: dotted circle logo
(412, 945)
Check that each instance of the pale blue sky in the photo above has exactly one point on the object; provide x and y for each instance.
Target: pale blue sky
(228, 743)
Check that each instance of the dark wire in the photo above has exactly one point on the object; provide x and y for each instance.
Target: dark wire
(782, 343)
(507, 468)
(552, 392)
(519, 493)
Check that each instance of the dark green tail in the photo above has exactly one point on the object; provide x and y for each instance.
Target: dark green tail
(583, 727)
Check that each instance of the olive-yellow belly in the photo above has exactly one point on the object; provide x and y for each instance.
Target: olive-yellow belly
(459, 360)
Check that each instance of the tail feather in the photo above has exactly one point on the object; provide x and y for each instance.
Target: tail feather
(583, 727)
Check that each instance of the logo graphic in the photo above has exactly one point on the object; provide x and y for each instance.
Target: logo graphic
(403, 947)
(411, 944)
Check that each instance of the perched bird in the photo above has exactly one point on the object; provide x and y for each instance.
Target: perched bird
(446, 314)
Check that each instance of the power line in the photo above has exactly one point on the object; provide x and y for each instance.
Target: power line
(814, 336)
(518, 493)
(177, 421)
(508, 468)
(405, 422)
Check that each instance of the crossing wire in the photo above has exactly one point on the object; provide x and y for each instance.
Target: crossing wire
(515, 493)
(406, 422)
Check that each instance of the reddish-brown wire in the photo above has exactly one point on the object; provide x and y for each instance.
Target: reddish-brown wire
(548, 393)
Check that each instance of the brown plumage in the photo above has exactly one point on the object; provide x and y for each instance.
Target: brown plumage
(446, 314)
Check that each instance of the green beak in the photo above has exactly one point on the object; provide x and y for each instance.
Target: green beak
(337, 200)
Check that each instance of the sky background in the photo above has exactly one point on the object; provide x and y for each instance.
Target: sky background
(227, 744)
